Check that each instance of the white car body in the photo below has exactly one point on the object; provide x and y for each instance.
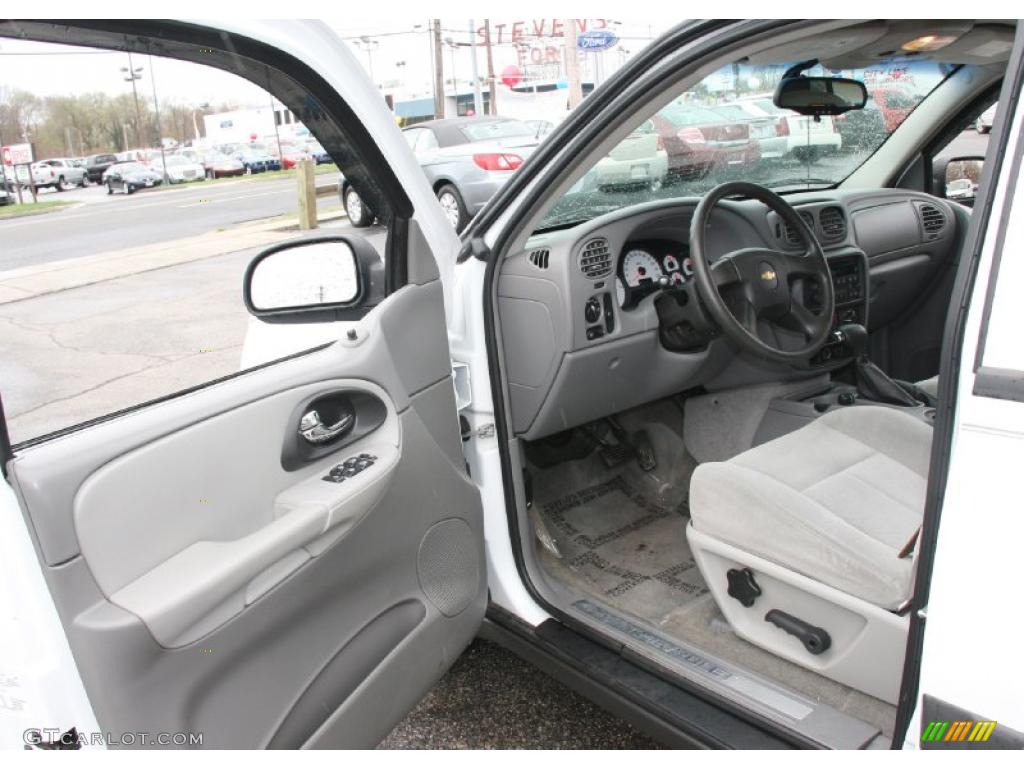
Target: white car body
(180, 169)
(638, 159)
(800, 131)
(971, 617)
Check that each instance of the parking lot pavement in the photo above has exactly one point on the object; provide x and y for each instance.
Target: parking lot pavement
(98, 222)
(492, 699)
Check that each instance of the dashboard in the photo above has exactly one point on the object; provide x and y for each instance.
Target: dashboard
(577, 308)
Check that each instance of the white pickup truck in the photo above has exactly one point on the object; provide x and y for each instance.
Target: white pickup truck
(57, 173)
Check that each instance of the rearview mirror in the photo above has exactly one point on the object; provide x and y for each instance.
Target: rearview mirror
(820, 95)
(963, 174)
(316, 279)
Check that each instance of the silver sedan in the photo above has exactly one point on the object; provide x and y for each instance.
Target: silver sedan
(465, 159)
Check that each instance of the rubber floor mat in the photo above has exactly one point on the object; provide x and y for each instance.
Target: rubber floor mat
(616, 543)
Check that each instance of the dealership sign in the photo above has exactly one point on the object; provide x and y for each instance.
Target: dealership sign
(596, 40)
(17, 154)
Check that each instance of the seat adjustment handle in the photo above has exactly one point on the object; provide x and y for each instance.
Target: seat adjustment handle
(815, 639)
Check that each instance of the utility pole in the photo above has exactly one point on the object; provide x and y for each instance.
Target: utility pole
(277, 133)
(452, 46)
(156, 108)
(132, 74)
(572, 64)
(369, 45)
(478, 99)
(490, 68)
(438, 69)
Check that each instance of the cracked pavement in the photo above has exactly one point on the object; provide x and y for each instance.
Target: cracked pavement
(86, 352)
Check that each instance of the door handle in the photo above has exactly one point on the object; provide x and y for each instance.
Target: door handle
(313, 430)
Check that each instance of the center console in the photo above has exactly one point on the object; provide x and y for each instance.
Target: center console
(849, 270)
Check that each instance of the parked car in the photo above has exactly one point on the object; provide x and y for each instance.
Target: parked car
(697, 140)
(895, 102)
(318, 153)
(862, 128)
(254, 160)
(6, 187)
(639, 160)
(292, 155)
(43, 175)
(466, 160)
(984, 122)
(540, 128)
(95, 165)
(795, 135)
(129, 177)
(959, 189)
(218, 165)
(769, 129)
(180, 169)
(359, 214)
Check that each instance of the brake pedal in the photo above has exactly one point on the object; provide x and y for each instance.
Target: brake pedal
(615, 455)
(644, 449)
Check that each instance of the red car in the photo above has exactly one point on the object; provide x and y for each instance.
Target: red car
(895, 103)
(698, 140)
(290, 156)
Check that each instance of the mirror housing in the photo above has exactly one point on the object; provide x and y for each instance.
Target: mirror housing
(817, 96)
(318, 279)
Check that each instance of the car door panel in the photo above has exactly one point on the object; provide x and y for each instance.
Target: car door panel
(205, 587)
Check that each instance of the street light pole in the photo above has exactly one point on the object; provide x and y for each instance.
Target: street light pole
(478, 99)
(156, 108)
(131, 75)
(368, 44)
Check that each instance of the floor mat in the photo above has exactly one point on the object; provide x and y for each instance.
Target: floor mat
(616, 543)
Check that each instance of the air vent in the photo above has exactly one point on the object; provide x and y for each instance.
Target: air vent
(791, 235)
(932, 219)
(539, 258)
(833, 223)
(596, 259)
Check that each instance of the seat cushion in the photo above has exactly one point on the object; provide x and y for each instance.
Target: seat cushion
(931, 386)
(836, 500)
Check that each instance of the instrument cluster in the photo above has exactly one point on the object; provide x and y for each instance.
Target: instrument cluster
(646, 266)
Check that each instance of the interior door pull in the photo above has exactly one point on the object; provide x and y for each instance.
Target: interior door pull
(314, 431)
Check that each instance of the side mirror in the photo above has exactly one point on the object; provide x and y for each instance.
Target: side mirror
(963, 174)
(314, 280)
(820, 95)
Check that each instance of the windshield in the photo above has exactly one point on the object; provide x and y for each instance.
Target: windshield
(131, 167)
(727, 128)
(496, 129)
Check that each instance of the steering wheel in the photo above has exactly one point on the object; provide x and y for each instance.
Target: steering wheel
(754, 286)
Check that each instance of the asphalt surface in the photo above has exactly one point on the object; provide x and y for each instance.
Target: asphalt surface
(99, 222)
(491, 699)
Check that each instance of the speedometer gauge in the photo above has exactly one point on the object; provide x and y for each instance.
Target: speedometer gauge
(637, 266)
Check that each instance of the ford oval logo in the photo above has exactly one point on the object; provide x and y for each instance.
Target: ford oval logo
(596, 40)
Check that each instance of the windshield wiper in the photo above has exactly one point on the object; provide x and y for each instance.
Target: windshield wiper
(804, 180)
(578, 217)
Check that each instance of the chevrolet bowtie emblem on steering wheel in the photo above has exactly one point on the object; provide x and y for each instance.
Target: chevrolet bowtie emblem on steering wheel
(768, 274)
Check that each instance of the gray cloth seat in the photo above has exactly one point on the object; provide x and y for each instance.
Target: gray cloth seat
(931, 386)
(835, 500)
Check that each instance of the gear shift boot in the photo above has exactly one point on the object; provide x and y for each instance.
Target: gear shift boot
(872, 382)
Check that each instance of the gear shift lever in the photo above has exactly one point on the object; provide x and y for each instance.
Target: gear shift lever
(872, 382)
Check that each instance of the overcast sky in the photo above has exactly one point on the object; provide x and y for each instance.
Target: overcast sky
(58, 70)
